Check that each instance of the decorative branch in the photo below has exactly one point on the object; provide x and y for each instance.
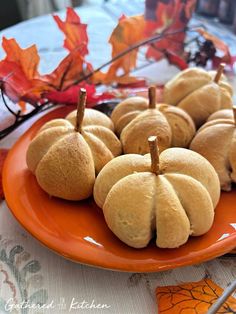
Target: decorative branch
(6, 105)
(20, 118)
(150, 40)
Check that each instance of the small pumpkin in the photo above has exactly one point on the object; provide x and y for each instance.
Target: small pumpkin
(199, 93)
(216, 141)
(65, 158)
(173, 194)
(136, 119)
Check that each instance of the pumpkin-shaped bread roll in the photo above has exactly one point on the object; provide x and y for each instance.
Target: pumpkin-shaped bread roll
(65, 158)
(137, 119)
(173, 195)
(216, 141)
(199, 93)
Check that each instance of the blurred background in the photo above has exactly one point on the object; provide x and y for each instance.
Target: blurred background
(14, 11)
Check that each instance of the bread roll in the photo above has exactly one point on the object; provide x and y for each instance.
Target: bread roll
(175, 199)
(136, 119)
(65, 158)
(216, 141)
(199, 93)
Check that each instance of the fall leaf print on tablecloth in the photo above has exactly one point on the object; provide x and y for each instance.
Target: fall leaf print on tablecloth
(192, 298)
(20, 277)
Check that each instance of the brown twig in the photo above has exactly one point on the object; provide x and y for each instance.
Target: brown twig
(219, 72)
(38, 108)
(150, 40)
(154, 152)
(152, 97)
(22, 118)
(80, 110)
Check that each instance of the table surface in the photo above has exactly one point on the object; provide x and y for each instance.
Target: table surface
(29, 270)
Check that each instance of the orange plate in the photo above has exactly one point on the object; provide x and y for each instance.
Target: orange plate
(78, 231)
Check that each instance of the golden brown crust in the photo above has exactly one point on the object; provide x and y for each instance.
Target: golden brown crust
(128, 209)
(42, 143)
(201, 103)
(125, 120)
(92, 117)
(182, 126)
(170, 215)
(222, 114)
(103, 143)
(200, 217)
(214, 142)
(190, 163)
(126, 106)
(232, 158)
(151, 122)
(107, 137)
(184, 83)
(67, 169)
(55, 123)
(117, 169)
(226, 99)
(214, 122)
(195, 91)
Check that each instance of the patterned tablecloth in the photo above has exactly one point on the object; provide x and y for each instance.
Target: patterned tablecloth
(29, 271)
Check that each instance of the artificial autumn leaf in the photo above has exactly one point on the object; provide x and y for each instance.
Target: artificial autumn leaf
(22, 105)
(167, 16)
(70, 70)
(75, 32)
(27, 59)
(219, 44)
(19, 72)
(3, 155)
(192, 298)
(17, 86)
(129, 31)
(70, 96)
(176, 60)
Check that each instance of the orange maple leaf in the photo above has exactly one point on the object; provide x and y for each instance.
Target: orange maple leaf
(71, 69)
(192, 298)
(129, 31)
(21, 81)
(27, 59)
(75, 32)
(19, 75)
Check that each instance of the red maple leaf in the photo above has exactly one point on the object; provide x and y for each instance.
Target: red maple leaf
(70, 95)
